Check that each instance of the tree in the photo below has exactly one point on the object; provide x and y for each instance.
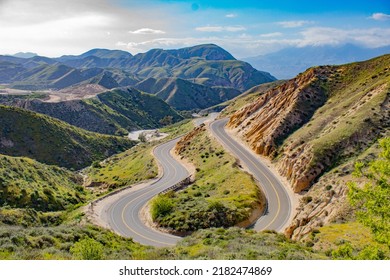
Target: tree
(142, 137)
(87, 249)
(167, 120)
(373, 199)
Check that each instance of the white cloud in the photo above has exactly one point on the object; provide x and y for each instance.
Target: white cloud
(380, 16)
(371, 38)
(231, 15)
(146, 31)
(270, 35)
(294, 23)
(220, 28)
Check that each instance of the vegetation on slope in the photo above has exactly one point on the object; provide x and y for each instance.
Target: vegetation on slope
(64, 243)
(369, 194)
(185, 95)
(89, 242)
(221, 196)
(113, 112)
(145, 110)
(24, 133)
(132, 166)
(319, 119)
(373, 199)
(26, 183)
(239, 244)
(231, 106)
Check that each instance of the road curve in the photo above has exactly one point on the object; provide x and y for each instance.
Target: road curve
(123, 214)
(279, 203)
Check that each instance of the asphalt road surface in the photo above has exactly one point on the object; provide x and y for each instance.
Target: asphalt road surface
(124, 215)
(278, 201)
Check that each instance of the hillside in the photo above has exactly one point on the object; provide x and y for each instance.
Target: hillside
(313, 126)
(50, 141)
(185, 95)
(26, 183)
(111, 112)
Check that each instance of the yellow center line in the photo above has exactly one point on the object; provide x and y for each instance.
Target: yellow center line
(130, 202)
(255, 165)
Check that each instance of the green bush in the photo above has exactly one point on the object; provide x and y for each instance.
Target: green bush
(87, 249)
(161, 206)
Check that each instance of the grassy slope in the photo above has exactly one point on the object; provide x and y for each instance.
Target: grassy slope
(185, 95)
(55, 243)
(24, 133)
(145, 110)
(228, 73)
(222, 195)
(333, 237)
(240, 244)
(353, 108)
(27, 183)
(134, 165)
(32, 193)
(129, 167)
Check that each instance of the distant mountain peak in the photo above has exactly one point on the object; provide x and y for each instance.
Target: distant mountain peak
(25, 54)
(205, 51)
(106, 53)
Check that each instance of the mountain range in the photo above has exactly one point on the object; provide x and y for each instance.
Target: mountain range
(207, 65)
(289, 62)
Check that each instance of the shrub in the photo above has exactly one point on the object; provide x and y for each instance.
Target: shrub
(161, 206)
(87, 249)
(96, 164)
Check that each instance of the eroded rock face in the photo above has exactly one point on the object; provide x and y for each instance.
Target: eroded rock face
(267, 122)
(324, 203)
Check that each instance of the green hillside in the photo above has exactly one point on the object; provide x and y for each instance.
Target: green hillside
(50, 141)
(145, 110)
(26, 183)
(185, 95)
(113, 112)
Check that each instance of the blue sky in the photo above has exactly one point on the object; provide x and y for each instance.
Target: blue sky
(244, 28)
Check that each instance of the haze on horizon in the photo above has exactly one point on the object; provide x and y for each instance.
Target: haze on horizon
(247, 28)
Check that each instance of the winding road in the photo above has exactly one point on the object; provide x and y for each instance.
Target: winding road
(278, 201)
(124, 213)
